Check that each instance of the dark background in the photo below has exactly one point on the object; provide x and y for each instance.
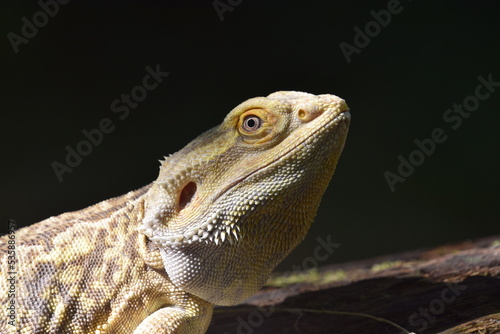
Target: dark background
(398, 87)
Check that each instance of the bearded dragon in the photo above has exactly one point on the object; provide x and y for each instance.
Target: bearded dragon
(224, 211)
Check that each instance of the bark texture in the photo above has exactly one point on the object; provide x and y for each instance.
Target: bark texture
(449, 289)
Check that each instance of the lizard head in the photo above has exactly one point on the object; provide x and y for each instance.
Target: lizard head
(232, 204)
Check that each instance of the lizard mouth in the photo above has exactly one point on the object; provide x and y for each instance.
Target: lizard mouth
(216, 229)
(342, 116)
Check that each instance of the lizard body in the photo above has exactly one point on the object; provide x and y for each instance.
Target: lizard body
(224, 211)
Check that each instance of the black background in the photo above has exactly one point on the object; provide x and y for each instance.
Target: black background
(398, 87)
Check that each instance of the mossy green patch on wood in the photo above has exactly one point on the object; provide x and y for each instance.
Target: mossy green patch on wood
(309, 276)
(386, 265)
(495, 243)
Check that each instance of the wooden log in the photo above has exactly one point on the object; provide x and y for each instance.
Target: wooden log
(449, 289)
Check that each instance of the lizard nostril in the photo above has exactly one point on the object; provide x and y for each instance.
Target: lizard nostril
(302, 113)
(187, 195)
(307, 112)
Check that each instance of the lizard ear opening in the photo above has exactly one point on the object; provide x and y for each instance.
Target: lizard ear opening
(187, 195)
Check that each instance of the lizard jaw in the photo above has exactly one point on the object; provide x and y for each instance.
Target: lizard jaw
(214, 230)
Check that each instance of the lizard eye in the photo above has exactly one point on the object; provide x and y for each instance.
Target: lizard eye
(251, 123)
(256, 126)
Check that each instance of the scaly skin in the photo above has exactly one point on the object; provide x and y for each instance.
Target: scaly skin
(224, 211)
